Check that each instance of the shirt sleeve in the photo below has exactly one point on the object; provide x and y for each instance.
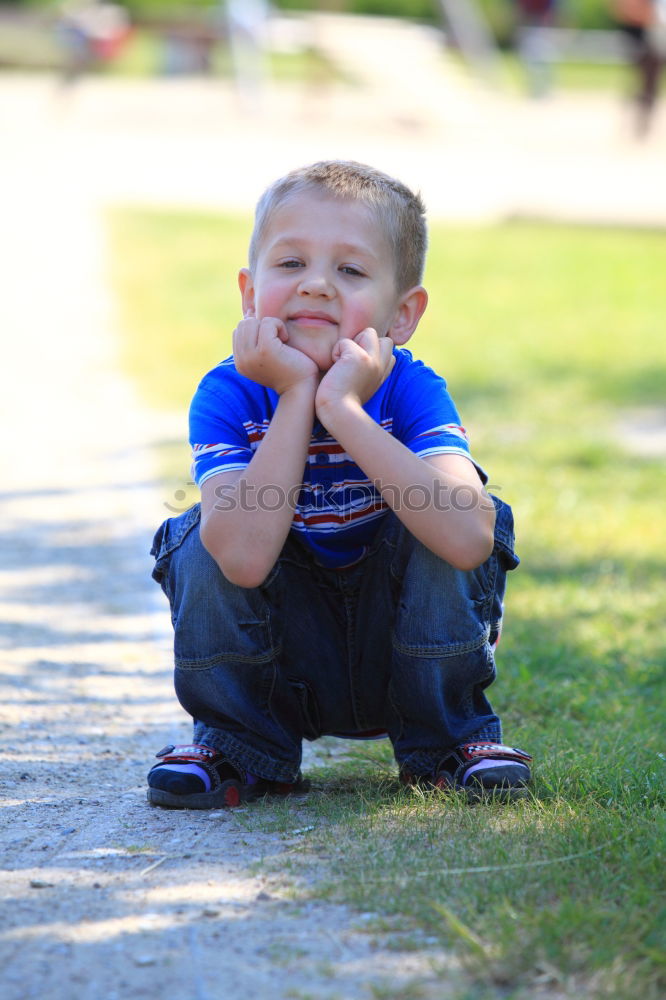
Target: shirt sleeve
(227, 422)
(425, 417)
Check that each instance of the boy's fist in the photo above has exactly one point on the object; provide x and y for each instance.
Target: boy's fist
(359, 367)
(261, 353)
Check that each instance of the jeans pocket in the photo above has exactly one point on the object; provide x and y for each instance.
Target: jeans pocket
(308, 709)
(505, 560)
(170, 534)
(504, 535)
(491, 575)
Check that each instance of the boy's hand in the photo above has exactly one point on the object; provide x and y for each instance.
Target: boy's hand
(359, 367)
(261, 353)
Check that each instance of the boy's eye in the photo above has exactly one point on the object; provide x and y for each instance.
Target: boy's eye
(290, 263)
(349, 269)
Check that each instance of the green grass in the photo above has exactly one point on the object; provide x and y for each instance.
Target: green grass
(548, 337)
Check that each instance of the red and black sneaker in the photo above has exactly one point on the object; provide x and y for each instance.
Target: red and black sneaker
(480, 770)
(197, 777)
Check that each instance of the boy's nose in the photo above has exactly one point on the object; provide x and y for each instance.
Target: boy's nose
(318, 285)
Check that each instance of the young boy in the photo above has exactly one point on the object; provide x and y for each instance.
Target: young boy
(345, 570)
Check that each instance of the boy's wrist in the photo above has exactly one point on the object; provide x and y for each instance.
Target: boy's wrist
(340, 412)
(303, 389)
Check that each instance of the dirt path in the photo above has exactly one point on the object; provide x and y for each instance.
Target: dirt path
(103, 897)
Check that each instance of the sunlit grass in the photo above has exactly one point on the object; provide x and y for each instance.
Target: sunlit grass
(549, 336)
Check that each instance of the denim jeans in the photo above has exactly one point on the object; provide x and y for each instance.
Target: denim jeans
(401, 642)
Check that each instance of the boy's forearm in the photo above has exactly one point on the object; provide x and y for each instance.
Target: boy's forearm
(423, 497)
(245, 525)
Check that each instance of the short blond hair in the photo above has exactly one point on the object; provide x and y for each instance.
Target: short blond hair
(399, 212)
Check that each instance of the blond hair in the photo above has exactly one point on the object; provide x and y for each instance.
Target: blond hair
(399, 212)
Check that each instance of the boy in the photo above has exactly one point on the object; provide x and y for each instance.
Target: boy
(344, 572)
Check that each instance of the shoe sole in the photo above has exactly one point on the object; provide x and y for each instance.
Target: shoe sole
(229, 795)
(498, 784)
(495, 794)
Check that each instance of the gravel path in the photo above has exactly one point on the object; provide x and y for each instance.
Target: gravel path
(103, 897)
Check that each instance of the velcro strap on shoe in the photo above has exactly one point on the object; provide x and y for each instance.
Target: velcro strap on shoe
(188, 751)
(498, 751)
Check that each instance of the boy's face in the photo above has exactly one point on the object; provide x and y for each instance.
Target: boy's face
(325, 268)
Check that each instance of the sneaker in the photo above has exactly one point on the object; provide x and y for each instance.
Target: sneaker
(480, 770)
(197, 777)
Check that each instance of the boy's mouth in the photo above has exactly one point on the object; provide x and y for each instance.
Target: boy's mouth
(310, 318)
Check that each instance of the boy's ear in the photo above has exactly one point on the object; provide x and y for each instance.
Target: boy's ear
(246, 286)
(411, 306)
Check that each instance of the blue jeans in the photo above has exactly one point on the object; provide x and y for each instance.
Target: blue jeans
(400, 642)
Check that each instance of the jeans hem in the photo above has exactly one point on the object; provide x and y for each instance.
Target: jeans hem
(247, 758)
(425, 762)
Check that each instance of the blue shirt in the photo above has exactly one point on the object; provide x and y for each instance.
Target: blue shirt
(338, 509)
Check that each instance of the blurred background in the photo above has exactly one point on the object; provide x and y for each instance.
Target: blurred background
(501, 112)
(491, 107)
(135, 139)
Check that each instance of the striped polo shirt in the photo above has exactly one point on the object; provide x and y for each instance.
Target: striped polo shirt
(338, 509)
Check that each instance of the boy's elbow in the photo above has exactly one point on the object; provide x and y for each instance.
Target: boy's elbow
(242, 576)
(482, 543)
(242, 572)
(475, 553)
(238, 567)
